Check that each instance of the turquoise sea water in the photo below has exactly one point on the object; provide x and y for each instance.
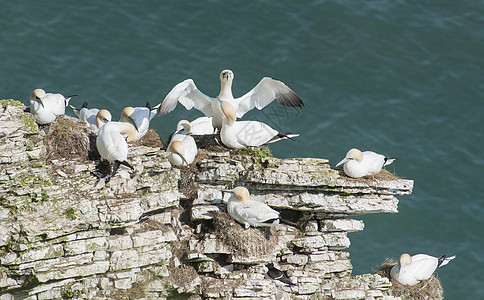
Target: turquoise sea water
(402, 78)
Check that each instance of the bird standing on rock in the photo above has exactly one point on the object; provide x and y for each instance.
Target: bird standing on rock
(412, 270)
(112, 144)
(279, 275)
(268, 89)
(358, 164)
(250, 212)
(46, 107)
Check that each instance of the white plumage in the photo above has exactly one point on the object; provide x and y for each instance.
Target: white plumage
(202, 126)
(250, 212)
(240, 134)
(182, 148)
(412, 270)
(358, 164)
(46, 107)
(268, 89)
(89, 116)
(112, 140)
(140, 117)
(112, 143)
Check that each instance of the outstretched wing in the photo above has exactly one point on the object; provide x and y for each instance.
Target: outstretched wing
(264, 93)
(187, 93)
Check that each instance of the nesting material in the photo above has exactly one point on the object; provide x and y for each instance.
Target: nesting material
(241, 241)
(150, 139)
(425, 290)
(68, 138)
(382, 175)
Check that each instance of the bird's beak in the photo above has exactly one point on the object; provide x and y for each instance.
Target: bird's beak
(40, 101)
(342, 162)
(183, 157)
(134, 123)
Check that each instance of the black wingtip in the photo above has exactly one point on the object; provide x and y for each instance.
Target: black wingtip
(84, 105)
(441, 260)
(285, 135)
(290, 99)
(148, 105)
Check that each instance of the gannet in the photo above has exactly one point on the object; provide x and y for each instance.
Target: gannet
(268, 89)
(250, 212)
(279, 275)
(112, 144)
(89, 116)
(45, 107)
(358, 164)
(103, 116)
(240, 134)
(182, 148)
(412, 270)
(140, 117)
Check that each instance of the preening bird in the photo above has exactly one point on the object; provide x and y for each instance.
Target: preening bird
(89, 116)
(358, 164)
(112, 144)
(182, 148)
(103, 116)
(240, 134)
(46, 107)
(250, 212)
(412, 270)
(140, 117)
(268, 89)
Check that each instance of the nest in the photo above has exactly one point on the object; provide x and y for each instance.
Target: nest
(425, 290)
(69, 138)
(241, 241)
(150, 139)
(382, 175)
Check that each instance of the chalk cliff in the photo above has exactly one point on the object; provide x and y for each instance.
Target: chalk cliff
(164, 232)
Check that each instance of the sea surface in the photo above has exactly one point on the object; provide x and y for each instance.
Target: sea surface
(402, 78)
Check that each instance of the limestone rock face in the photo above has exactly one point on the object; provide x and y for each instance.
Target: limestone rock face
(164, 231)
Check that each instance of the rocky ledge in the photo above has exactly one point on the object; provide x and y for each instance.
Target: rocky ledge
(164, 232)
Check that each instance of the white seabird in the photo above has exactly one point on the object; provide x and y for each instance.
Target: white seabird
(102, 117)
(240, 134)
(250, 212)
(112, 144)
(358, 164)
(182, 148)
(46, 107)
(268, 89)
(412, 270)
(89, 116)
(140, 117)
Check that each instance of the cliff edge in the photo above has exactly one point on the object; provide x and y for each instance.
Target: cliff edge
(163, 232)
